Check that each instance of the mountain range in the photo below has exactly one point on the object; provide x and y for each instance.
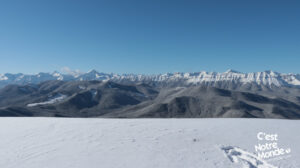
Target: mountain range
(174, 95)
(267, 78)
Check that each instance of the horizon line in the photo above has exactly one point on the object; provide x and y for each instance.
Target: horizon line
(77, 72)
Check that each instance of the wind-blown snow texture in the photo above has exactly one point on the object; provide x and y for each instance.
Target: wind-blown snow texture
(141, 143)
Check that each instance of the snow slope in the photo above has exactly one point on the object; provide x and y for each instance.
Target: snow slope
(142, 143)
(55, 99)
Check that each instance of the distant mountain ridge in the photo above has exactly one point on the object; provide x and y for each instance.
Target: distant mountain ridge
(266, 78)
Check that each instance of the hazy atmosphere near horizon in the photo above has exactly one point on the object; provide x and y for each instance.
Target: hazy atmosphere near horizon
(149, 37)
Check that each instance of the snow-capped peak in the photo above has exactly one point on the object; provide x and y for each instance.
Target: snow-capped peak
(3, 77)
(58, 75)
(74, 73)
(268, 78)
(232, 71)
(93, 71)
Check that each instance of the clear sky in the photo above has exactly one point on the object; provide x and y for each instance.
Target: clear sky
(149, 36)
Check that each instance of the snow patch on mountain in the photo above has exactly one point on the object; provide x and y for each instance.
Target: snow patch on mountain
(58, 76)
(53, 100)
(81, 87)
(3, 77)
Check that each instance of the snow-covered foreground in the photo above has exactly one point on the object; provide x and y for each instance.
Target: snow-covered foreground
(143, 143)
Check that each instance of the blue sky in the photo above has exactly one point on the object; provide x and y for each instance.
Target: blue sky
(153, 36)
